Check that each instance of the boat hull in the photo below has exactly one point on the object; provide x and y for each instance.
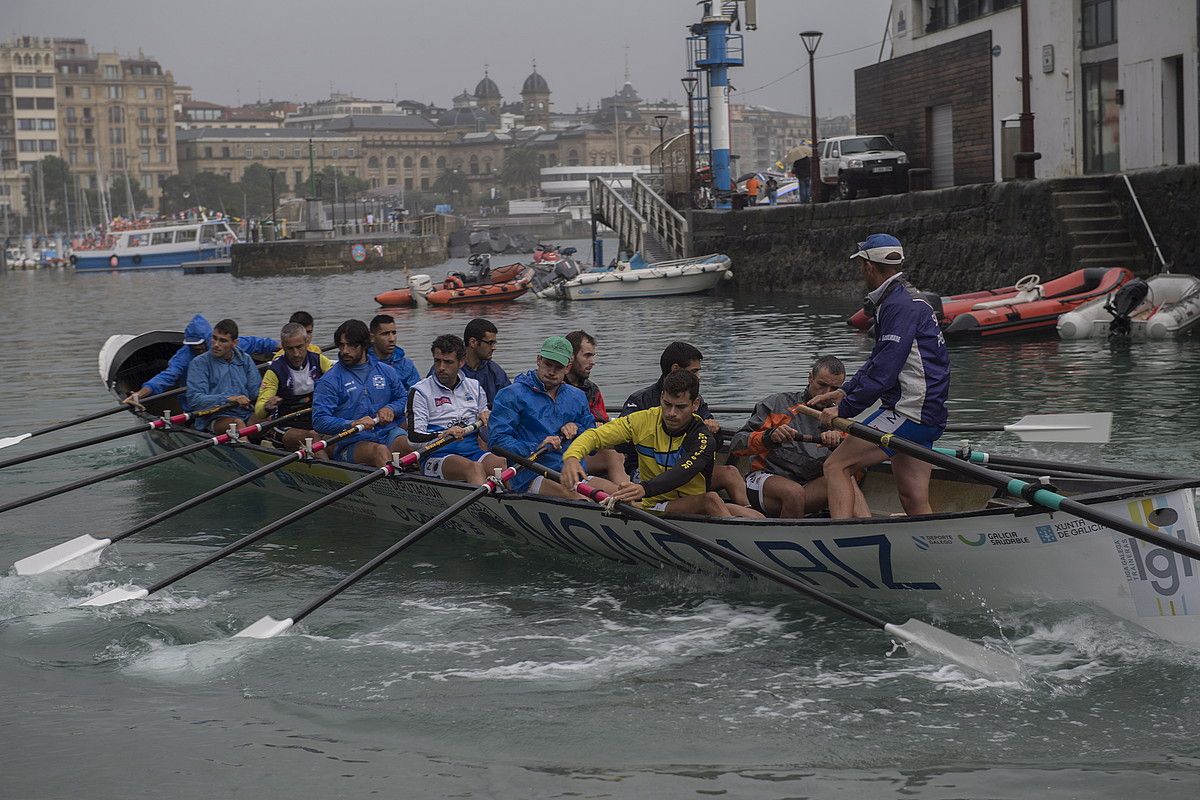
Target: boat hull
(100, 260)
(1171, 310)
(1000, 557)
(665, 279)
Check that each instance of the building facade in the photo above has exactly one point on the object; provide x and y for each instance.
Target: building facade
(28, 117)
(115, 117)
(228, 151)
(1112, 87)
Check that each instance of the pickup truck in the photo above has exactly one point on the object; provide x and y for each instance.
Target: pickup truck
(851, 164)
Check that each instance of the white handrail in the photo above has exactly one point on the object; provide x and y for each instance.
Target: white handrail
(1165, 269)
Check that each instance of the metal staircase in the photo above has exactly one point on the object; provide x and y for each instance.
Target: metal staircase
(644, 222)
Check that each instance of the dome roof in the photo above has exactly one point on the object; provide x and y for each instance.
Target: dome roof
(486, 88)
(535, 84)
(467, 118)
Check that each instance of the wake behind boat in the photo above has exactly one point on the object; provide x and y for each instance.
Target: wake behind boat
(976, 547)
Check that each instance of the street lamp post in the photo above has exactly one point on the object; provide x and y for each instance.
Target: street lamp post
(689, 86)
(660, 122)
(811, 39)
(271, 172)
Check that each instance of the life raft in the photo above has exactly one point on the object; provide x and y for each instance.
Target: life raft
(395, 298)
(403, 296)
(1026, 306)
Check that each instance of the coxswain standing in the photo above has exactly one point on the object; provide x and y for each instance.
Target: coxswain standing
(224, 374)
(908, 372)
(354, 391)
(448, 402)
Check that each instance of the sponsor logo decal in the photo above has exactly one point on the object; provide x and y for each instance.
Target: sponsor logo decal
(441, 401)
(1046, 534)
(977, 542)
(378, 382)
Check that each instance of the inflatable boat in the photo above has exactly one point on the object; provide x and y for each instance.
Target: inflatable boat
(479, 274)
(453, 294)
(1159, 307)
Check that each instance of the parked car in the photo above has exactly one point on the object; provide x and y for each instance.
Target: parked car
(852, 164)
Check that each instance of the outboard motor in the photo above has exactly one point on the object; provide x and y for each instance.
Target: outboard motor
(1123, 304)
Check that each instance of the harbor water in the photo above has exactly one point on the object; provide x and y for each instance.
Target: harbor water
(468, 670)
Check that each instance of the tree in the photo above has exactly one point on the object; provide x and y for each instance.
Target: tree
(120, 198)
(520, 168)
(453, 186)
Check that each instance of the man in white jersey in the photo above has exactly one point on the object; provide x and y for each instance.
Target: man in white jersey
(448, 402)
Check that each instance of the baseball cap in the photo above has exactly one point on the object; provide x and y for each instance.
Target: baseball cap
(881, 248)
(558, 350)
(193, 340)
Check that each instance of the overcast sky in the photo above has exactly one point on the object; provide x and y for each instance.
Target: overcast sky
(231, 50)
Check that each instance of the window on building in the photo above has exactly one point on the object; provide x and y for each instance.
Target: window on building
(160, 115)
(26, 124)
(44, 81)
(296, 151)
(297, 179)
(158, 93)
(143, 114)
(281, 152)
(373, 162)
(349, 152)
(208, 152)
(46, 124)
(141, 93)
(45, 103)
(115, 92)
(160, 135)
(88, 137)
(24, 103)
(1099, 22)
(148, 182)
(266, 152)
(85, 92)
(143, 136)
(248, 152)
(116, 135)
(116, 115)
(48, 145)
(72, 157)
(145, 155)
(27, 146)
(225, 152)
(87, 114)
(69, 114)
(111, 71)
(424, 184)
(162, 155)
(335, 152)
(72, 135)
(68, 92)
(23, 81)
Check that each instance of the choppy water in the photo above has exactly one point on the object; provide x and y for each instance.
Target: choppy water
(462, 670)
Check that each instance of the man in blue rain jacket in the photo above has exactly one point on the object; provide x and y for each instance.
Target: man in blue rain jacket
(223, 375)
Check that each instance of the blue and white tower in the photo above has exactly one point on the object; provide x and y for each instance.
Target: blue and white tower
(713, 50)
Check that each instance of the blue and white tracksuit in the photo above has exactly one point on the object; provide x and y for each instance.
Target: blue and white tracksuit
(211, 381)
(345, 395)
(404, 366)
(908, 370)
(434, 407)
(524, 414)
(175, 373)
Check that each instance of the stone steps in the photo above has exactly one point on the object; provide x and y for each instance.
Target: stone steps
(1104, 224)
(1136, 263)
(1081, 197)
(1071, 211)
(1097, 231)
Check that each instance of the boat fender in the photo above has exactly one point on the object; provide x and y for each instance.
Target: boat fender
(114, 261)
(672, 272)
(588, 279)
(137, 258)
(630, 277)
(74, 259)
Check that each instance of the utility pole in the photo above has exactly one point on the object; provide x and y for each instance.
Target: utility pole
(312, 170)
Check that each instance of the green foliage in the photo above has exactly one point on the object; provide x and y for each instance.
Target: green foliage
(520, 168)
(452, 186)
(120, 198)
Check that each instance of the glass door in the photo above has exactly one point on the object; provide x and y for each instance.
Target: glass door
(1101, 118)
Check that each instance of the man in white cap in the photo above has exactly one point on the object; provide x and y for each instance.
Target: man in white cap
(908, 373)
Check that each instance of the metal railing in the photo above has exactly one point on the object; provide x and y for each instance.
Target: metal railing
(669, 224)
(1157, 251)
(613, 210)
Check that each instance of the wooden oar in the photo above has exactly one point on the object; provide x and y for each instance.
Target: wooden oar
(122, 594)
(268, 626)
(11, 440)
(919, 634)
(1087, 428)
(1033, 493)
(212, 441)
(157, 424)
(54, 557)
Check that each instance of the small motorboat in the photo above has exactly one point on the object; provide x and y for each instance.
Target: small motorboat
(453, 293)
(639, 278)
(1160, 307)
(1027, 306)
(480, 274)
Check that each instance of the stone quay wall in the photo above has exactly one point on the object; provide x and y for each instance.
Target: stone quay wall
(301, 256)
(958, 239)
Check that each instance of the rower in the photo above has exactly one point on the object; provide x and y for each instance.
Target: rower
(786, 478)
(287, 386)
(480, 339)
(607, 462)
(540, 409)
(195, 341)
(447, 402)
(355, 391)
(908, 372)
(306, 320)
(675, 451)
(686, 357)
(384, 348)
(223, 374)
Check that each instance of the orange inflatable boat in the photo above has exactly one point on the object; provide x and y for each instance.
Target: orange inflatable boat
(476, 278)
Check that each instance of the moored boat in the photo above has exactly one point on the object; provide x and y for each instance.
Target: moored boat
(1159, 307)
(638, 278)
(480, 275)
(976, 548)
(454, 293)
(159, 246)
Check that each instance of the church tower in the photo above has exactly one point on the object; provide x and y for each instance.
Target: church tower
(535, 99)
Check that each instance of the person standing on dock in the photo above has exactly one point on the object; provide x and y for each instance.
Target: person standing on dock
(908, 372)
(480, 339)
(752, 187)
(385, 349)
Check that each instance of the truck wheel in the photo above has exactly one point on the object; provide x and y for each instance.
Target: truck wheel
(845, 191)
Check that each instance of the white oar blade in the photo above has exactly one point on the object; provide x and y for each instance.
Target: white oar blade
(61, 554)
(118, 595)
(1087, 428)
(266, 628)
(945, 645)
(9, 441)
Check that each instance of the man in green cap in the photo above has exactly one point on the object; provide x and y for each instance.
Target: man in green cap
(541, 409)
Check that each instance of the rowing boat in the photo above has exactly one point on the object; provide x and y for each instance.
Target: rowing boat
(976, 548)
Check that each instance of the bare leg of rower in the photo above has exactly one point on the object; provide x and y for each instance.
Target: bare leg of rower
(729, 479)
(912, 483)
(293, 439)
(708, 504)
(610, 464)
(372, 454)
(850, 456)
(400, 445)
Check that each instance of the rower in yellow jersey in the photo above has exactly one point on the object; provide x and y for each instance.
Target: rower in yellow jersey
(675, 452)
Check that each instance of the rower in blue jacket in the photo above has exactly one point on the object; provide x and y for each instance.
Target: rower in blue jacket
(907, 372)
(541, 409)
(384, 348)
(358, 390)
(196, 338)
(224, 374)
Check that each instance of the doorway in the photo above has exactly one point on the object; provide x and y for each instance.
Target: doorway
(1172, 110)
(1101, 118)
